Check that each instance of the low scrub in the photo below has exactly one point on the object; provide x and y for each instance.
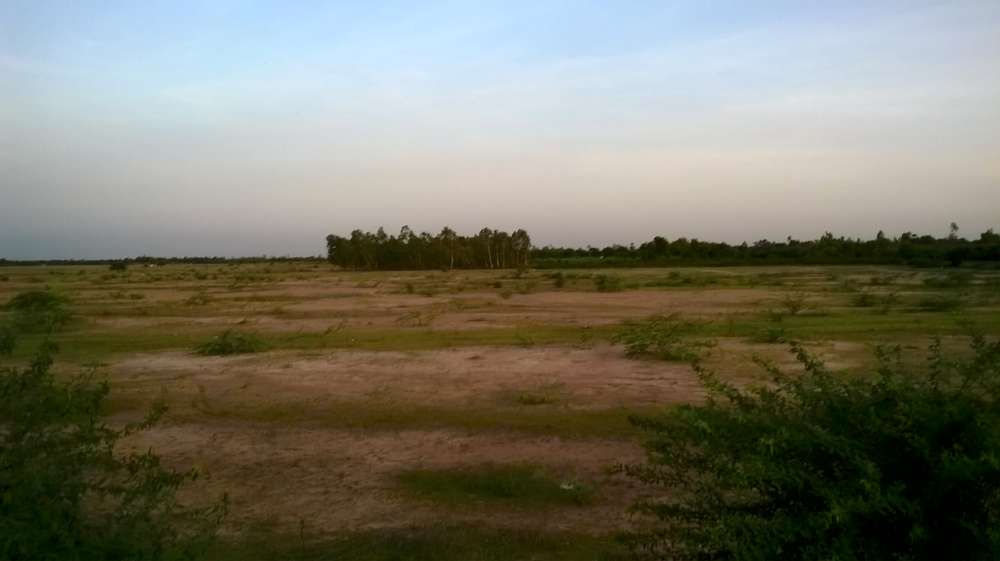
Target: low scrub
(661, 337)
(900, 464)
(608, 283)
(231, 342)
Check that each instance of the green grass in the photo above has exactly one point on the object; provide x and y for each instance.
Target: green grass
(519, 484)
(435, 543)
(92, 344)
(231, 342)
(374, 415)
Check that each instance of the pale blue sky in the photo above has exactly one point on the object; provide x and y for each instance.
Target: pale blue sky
(192, 128)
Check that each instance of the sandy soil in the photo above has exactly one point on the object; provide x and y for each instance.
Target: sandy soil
(338, 480)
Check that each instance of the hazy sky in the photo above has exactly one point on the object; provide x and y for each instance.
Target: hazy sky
(235, 128)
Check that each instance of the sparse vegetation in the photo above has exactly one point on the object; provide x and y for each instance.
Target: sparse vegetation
(231, 342)
(661, 337)
(516, 484)
(608, 283)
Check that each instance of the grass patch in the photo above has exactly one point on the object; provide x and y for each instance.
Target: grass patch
(377, 415)
(520, 484)
(231, 342)
(435, 543)
(608, 283)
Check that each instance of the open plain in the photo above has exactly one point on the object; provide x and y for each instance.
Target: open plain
(475, 414)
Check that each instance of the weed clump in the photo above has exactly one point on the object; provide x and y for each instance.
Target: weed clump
(231, 342)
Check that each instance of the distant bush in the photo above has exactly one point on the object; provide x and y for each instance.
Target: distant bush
(608, 283)
(231, 342)
(66, 492)
(794, 302)
(118, 266)
(38, 311)
(661, 337)
(901, 464)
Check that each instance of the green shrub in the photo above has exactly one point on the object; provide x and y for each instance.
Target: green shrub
(608, 283)
(901, 464)
(660, 337)
(38, 311)
(118, 266)
(231, 342)
(66, 492)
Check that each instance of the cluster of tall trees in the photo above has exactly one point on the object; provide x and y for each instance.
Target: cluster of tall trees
(489, 249)
(908, 249)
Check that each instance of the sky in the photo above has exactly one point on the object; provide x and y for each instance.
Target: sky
(246, 128)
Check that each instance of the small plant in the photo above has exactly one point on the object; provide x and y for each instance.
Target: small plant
(409, 288)
(608, 283)
(231, 342)
(506, 294)
(661, 337)
(794, 302)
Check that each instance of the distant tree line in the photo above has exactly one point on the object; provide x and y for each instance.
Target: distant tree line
(907, 249)
(489, 249)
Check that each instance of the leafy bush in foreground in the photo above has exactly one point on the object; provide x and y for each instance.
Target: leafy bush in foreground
(38, 311)
(903, 464)
(66, 493)
(231, 342)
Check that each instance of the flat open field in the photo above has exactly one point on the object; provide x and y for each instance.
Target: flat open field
(469, 414)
